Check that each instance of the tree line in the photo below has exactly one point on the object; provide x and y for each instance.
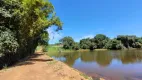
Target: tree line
(23, 25)
(101, 41)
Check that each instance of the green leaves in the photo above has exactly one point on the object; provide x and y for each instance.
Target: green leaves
(67, 42)
(114, 44)
(129, 41)
(24, 24)
(8, 43)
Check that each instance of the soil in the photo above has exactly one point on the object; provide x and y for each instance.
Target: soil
(41, 67)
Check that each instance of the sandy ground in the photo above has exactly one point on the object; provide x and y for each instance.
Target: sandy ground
(41, 67)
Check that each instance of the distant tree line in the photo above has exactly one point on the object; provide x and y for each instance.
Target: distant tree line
(101, 41)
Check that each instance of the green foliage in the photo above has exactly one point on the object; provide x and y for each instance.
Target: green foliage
(140, 40)
(68, 42)
(137, 45)
(23, 25)
(45, 48)
(85, 43)
(76, 46)
(114, 45)
(100, 40)
(8, 44)
(92, 44)
(127, 40)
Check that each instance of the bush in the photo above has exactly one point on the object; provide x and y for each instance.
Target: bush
(45, 49)
(114, 45)
(137, 45)
(21, 32)
(8, 43)
(68, 42)
(85, 43)
(76, 46)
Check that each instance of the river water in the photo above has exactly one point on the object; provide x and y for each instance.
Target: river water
(115, 65)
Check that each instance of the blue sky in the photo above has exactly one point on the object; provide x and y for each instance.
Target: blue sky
(86, 18)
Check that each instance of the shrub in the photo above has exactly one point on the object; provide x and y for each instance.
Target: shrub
(45, 49)
(114, 44)
(76, 46)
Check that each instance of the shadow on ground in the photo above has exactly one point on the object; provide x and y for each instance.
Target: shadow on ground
(32, 59)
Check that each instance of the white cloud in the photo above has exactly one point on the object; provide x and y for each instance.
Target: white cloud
(54, 36)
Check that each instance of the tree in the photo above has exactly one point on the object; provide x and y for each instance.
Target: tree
(137, 45)
(114, 45)
(88, 44)
(85, 43)
(23, 25)
(92, 45)
(8, 42)
(140, 40)
(127, 40)
(68, 42)
(76, 46)
(100, 40)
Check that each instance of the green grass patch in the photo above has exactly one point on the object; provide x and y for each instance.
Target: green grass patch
(85, 76)
(52, 49)
(52, 62)
(100, 49)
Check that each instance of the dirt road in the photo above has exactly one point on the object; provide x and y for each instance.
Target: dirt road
(41, 67)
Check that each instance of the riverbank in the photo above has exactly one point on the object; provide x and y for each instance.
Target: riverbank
(41, 67)
(53, 49)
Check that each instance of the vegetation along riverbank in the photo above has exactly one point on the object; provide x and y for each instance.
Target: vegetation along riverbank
(99, 42)
(23, 25)
(102, 42)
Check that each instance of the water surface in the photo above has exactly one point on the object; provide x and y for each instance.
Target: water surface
(116, 65)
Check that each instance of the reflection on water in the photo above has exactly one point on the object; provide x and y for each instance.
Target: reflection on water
(117, 65)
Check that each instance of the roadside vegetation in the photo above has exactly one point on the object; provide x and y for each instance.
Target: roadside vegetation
(23, 25)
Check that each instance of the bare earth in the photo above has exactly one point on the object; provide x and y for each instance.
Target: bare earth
(41, 67)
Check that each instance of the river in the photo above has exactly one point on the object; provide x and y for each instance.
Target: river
(115, 65)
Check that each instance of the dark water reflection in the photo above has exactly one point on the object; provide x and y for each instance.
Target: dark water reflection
(116, 65)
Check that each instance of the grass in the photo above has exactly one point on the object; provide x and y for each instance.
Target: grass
(85, 76)
(56, 49)
(100, 49)
(51, 62)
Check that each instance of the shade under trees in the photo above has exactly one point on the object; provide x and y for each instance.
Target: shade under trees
(23, 25)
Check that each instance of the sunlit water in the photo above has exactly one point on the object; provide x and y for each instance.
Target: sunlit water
(115, 65)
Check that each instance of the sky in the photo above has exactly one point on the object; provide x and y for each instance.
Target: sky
(86, 18)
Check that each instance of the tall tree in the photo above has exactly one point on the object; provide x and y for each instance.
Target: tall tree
(100, 40)
(68, 42)
(25, 22)
(127, 40)
(85, 43)
(114, 44)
